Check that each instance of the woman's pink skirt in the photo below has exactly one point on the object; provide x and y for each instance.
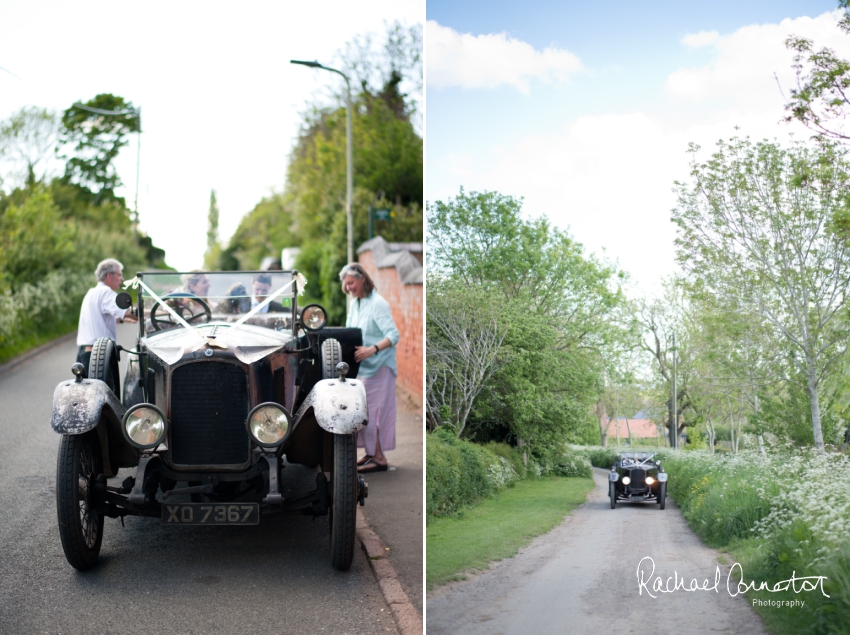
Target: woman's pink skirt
(380, 399)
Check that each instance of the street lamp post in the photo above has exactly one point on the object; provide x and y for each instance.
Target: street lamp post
(349, 179)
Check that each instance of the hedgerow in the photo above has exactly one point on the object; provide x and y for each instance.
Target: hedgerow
(460, 473)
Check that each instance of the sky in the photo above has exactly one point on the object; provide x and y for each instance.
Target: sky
(586, 110)
(220, 102)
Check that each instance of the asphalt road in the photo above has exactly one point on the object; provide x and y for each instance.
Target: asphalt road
(582, 577)
(272, 578)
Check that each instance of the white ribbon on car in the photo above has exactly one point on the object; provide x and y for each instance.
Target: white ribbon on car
(213, 340)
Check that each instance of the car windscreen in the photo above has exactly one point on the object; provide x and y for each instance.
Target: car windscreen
(225, 295)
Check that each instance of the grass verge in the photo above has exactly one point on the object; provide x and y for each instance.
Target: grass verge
(499, 527)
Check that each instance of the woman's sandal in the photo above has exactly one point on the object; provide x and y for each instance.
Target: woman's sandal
(363, 459)
(372, 466)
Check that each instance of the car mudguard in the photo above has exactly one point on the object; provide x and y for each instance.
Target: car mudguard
(79, 405)
(338, 406)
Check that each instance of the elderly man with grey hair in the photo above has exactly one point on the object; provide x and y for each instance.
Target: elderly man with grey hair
(99, 311)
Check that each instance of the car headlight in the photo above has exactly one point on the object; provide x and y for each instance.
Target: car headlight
(313, 317)
(144, 426)
(662, 477)
(268, 424)
(626, 480)
(649, 480)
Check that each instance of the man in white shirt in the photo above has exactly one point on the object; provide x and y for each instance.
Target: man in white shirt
(99, 311)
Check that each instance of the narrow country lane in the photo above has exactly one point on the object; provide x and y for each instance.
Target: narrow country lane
(582, 578)
(272, 578)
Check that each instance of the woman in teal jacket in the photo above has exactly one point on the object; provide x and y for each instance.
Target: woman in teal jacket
(370, 313)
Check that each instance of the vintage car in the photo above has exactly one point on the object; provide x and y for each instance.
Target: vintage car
(218, 397)
(637, 477)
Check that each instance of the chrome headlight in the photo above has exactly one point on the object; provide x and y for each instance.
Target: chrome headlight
(649, 480)
(268, 424)
(313, 317)
(626, 480)
(662, 477)
(144, 426)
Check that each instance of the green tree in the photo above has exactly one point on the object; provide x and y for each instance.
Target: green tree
(27, 139)
(387, 166)
(754, 228)
(212, 255)
(552, 304)
(95, 140)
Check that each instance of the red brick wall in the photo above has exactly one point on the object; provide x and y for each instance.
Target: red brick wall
(405, 301)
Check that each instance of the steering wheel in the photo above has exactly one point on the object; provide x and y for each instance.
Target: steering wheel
(187, 305)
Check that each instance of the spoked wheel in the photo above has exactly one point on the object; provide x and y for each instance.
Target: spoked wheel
(662, 495)
(103, 364)
(612, 494)
(343, 501)
(80, 522)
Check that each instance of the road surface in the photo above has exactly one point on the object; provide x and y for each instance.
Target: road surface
(275, 577)
(582, 577)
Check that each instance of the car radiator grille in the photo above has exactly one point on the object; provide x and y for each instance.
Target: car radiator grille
(209, 406)
(638, 479)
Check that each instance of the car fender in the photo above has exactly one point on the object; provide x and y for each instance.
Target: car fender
(338, 406)
(78, 406)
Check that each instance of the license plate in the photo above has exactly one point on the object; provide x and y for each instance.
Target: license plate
(211, 514)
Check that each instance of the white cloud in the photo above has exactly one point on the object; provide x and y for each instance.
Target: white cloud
(488, 61)
(751, 60)
(701, 39)
(609, 177)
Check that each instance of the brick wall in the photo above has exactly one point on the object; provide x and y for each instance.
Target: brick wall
(406, 302)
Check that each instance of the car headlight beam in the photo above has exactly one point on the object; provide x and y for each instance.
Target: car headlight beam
(626, 480)
(144, 426)
(268, 424)
(649, 480)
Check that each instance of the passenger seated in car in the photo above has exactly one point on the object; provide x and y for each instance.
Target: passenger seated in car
(237, 301)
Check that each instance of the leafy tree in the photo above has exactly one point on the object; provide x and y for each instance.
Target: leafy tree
(754, 228)
(213, 253)
(95, 140)
(27, 139)
(387, 166)
(552, 304)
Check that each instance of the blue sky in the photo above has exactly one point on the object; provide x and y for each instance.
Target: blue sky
(586, 109)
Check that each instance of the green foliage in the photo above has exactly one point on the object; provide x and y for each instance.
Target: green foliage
(460, 473)
(39, 311)
(778, 514)
(33, 242)
(551, 307)
(754, 233)
(96, 139)
(387, 172)
(598, 456)
(28, 138)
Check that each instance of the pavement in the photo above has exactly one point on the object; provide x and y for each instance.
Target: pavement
(390, 525)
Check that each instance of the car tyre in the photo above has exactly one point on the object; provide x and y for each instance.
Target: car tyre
(331, 356)
(612, 494)
(80, 521)
(103, 364)
(342, 515)
(662, 495)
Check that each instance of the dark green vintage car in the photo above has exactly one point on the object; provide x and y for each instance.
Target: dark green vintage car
(637, 477)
